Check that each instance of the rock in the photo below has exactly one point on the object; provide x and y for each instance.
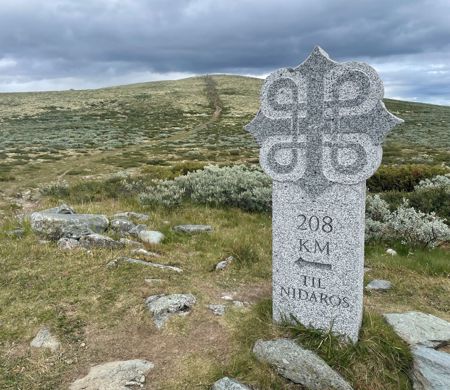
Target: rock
(227, 297)
(217, 310)
(68, 244)
(145, 253)
(16, 233)
(229, 384)
(150, 236)
(420, 328)
(431, 369)
(44, 339)
(154, 281)
(240, 304)
(367, 269)
(193, 228)
(162, 307)
(391, 252)
(75, 232)
(299, 365)
(131, 214)
(221, 265)
(113, 375)
(135, 231)
(131, 243)
(116, 262)
(99, 241)
(122, 225)
(379, 285)
(62, 209)
(56, 225)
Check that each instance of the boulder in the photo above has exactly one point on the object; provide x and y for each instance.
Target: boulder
(431, 369)
(56, 225)
(299, 365)
(121, 225)
(151, 236)
(420, 328)
(119, 375)
(379, 285)
(99, 241)
(44, 339)
(162, 307)
(190, 229)
(229, 384)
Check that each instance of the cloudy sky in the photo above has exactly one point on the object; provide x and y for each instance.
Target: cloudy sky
(62, 44)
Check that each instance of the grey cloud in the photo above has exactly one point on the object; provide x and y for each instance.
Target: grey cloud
(85, 40)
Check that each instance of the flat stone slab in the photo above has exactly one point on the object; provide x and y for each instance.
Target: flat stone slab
(191, 229)
(54, 226)
(162, 307)
(379, 285)
(229, 384)
(150, 236)
(118, 375)
(420, 328)
(44, 339)
(431, 370)
(99, 241)
(130, 260)
(299, 365)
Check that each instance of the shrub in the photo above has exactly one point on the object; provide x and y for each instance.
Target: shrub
(58, 188)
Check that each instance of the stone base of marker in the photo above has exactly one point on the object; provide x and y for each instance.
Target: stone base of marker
(318, 257)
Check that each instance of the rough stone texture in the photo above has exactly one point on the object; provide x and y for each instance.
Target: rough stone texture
(55, 225)
(191, 229)
(131, 243)
(44, 339)
(61, 209)
(431, 370)
(15, 233)
(229, 384)
(150, 236)
(117, 375)
(99, 241)
(217, 310)
(162, 307)
(420, 328)
(320, 128)
(122, 225)
(145, 253)
(116, 262)
(221, 265)
(135, 231)
(379, 285)
(68, 244)
(299, 365)
(131, 214)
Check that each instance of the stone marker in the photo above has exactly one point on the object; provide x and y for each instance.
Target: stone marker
(320, 128)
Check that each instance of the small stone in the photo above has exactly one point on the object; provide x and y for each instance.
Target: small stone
(131, 243)
(16, 233)
(367, 269)
(44, 339)
(162, 307)
(151, 236)
(122, 225)
(193, 228)
(420, 328)
(391, 252)
(431, 369)
(221, 265)
(62, 209)
(227, 297)
(135, 231)
(379, 285)
(82, 345)
(229, 384)
(113, 375)
(131, 214)
(116, 262)
(68, 244)
(69, 361)
(99, 241)
(240, 304)
(154, 281)
(299, 365)
(217, 310)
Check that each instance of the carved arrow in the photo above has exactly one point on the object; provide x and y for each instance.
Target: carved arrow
(304, 263)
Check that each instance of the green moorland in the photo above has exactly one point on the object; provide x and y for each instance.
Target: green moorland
(107, 145)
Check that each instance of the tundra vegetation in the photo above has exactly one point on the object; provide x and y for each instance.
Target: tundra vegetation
(176, 150)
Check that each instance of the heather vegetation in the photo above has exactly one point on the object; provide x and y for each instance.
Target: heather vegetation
(176, 151)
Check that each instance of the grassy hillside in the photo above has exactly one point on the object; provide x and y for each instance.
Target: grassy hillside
(77, 133)
(161, 130)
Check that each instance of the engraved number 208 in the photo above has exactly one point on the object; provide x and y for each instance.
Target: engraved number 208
(314, 223)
